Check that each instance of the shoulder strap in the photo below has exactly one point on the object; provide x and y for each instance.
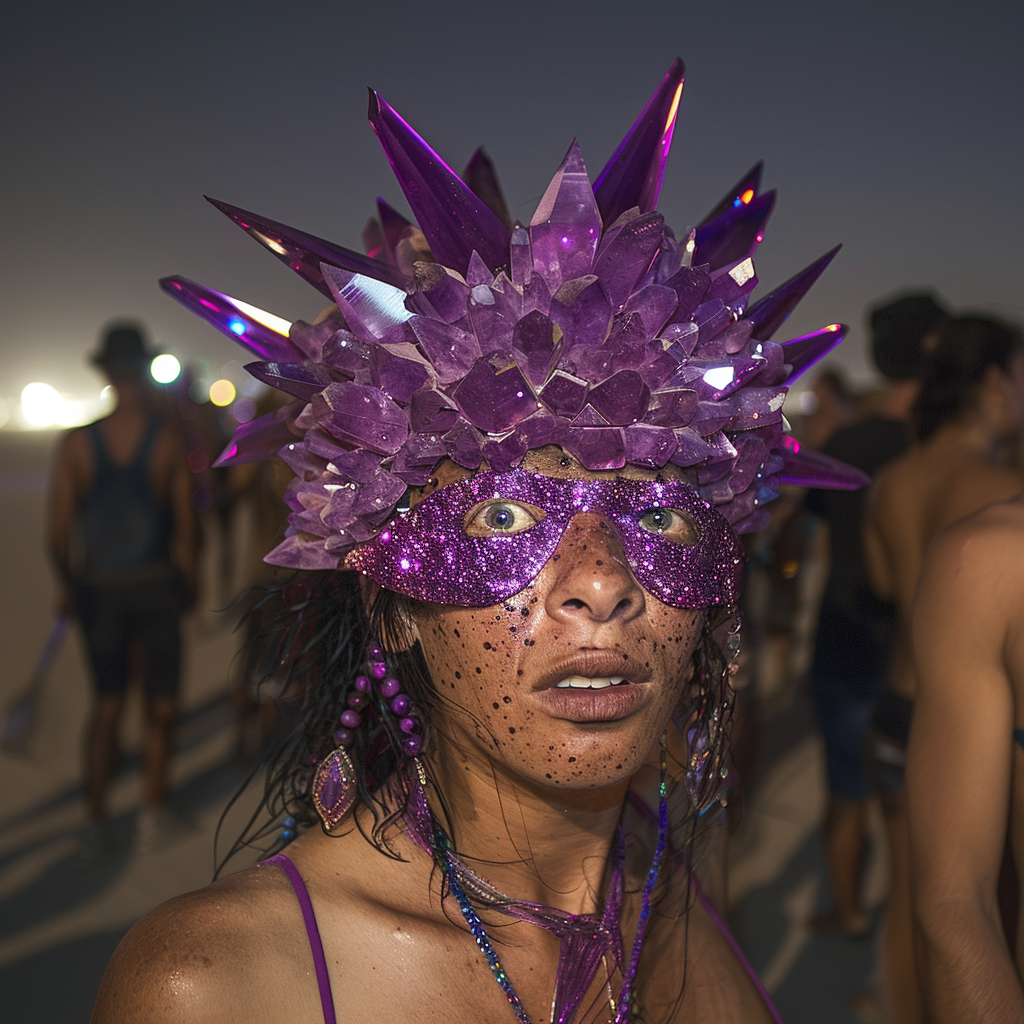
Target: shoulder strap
(312, 931)
(141, 460)
(99, 449)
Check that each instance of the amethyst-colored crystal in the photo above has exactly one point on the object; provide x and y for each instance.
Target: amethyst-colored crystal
(521, 257)
(673, 407)
(257, 440)
(623, 261)
(439, 294)
(379, 494)
(805, 467)
(710, 318)
(482, 178)
(494, 396)
(394, 227)
(301, 461)
(362, 416)
(533, 343)
(303, 252)
(398, 376)
(506, 453)
(371, 308)
(735, 234)
(649, 446)
(690, 285)
(540, 429)
(769, 313)
(733, 283)
(564, 394)
(451, 350)
(359, 466)
(477, 272)
(590, 417)
(430, 410)
(741, 193)
(453, 219)
(566, 227)
(622, 398)
(582, 310)
(231, 318)
(803, 352)
(463, 445)
(303, 380)
(633, 176)
(654, 304)
(691, 449)
(345, 352)
(491, 326)
(596, 448)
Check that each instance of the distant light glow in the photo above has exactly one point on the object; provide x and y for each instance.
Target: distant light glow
(674, 109)
(237, 326)
(807, 403)
(165, 368)
(40, 405)
(198, 392)
(719, 377)
(271, 243)
(273, 323)
(222, 392)
(747, 196)
(833, 327)
(5, 413)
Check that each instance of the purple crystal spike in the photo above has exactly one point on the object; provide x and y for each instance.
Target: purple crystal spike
(769, 313)
(802, 353)
(805, 467)
(739, 195)
(633, 176)
(304, 252)
(394, 228)
(362, 417)
(257, 440)
(439, 294)
(521, 258)
(370, 308)
(303, 380)
(735, 235)
(259, 331)
(649, 445)
(451, 350)
(582, 310)
(533, 341)
(495, 396)
(482, 178)
(627, 258)
(566, 227)
(453, 219)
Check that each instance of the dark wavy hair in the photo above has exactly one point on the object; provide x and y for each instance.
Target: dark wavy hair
(967, 346)
(320, 637)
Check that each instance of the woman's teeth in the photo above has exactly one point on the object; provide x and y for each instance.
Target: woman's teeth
(583, 683)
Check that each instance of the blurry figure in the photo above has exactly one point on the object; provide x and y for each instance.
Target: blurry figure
(855, 629)
(830, 405)
(124, 539)
(971, 404)
(965, 779)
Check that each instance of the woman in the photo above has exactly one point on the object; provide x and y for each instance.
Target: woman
(536, 460)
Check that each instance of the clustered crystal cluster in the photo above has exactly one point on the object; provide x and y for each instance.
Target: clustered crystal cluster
(467, 337)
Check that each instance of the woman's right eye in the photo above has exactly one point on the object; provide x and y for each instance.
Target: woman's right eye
(500, 516)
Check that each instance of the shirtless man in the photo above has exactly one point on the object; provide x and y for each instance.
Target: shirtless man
(966, 765)
(124, 539)
(971, 405)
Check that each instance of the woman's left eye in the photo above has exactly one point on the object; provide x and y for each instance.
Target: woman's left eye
(671, 524)
(499, 516)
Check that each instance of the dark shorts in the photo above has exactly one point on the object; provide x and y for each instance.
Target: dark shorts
(118, 616)
(844, 710)
(890, 733)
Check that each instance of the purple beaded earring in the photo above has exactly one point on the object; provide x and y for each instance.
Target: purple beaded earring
(334, 784)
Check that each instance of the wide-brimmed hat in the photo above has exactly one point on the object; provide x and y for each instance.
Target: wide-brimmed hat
(123, 345)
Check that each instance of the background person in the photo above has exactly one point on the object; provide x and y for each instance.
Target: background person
(970, 408)
(124, 538)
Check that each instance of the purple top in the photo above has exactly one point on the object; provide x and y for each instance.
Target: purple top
(315, 945)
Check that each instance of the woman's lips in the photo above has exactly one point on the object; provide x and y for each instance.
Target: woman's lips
(608, 704)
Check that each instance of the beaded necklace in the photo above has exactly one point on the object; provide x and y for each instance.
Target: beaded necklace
(585, 942)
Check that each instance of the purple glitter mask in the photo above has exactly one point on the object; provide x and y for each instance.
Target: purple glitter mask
(469, 338)
(680, 549)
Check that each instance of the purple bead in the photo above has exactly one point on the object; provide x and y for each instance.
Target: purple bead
(390, 688)
(356, 700)
(350, 719)
(408, 725)
(413, 745)
(401, 704)
(343, 738)
(362, 684)
(379, 669)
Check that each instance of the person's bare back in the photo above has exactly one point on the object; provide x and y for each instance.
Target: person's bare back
(965, 774)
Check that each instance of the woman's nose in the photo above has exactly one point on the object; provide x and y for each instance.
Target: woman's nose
(592, 579)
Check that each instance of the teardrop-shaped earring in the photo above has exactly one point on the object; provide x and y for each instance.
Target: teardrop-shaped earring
(334, 787)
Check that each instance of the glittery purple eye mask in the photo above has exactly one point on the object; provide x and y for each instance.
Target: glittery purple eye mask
(688, 557)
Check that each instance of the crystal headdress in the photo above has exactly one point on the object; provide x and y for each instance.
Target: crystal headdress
(474, 339)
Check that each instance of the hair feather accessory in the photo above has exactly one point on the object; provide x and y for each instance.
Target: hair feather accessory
(461, 337)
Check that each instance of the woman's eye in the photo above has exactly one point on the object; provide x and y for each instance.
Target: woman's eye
(671, 524)
(490, 518)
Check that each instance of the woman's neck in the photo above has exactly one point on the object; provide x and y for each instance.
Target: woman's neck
(532, 844)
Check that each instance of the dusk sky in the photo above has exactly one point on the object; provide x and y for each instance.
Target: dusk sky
(895, 128)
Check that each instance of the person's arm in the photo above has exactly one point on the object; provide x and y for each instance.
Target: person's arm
(880, 571)
(185, 533)
(61, 505)
(958, 774)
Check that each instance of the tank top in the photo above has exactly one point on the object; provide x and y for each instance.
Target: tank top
(123, 530)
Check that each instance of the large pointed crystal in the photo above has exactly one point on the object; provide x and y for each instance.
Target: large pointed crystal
(735, 235)
(566, 227)
(361, 416)
(453, 219)
(482, 178)
(768, 314)
(628, 256)
(633, 176)
(739, 195)
(805, 467)
(304, 252)
(803, 352)
(495, 395)
(259, 331)
(371, 308)
(622, 399)
(303, 380)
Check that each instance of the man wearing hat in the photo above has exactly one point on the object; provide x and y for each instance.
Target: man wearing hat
(124, 537)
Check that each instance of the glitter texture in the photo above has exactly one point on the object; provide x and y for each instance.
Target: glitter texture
(469, 338)
(426, 553)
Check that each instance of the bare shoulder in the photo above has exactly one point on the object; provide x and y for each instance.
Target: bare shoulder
(989, 539)
(223, 953)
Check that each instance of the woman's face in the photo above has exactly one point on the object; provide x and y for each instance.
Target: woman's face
(569, 682)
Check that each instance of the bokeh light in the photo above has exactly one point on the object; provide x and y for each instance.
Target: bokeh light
(243, 410)
(222, 392)
(165, 368)
(40, 405)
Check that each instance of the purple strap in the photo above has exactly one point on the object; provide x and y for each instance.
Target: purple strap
(315, 945)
